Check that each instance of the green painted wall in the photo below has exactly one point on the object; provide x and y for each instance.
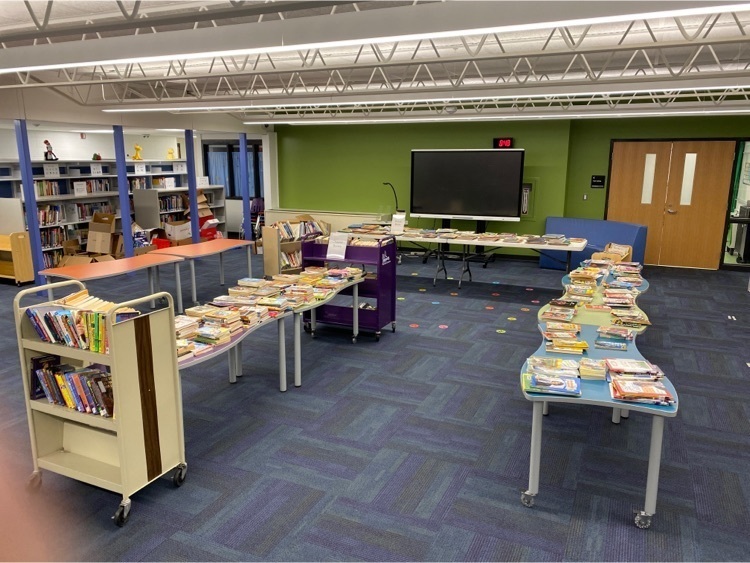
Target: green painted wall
(342, 168)
(590, 146)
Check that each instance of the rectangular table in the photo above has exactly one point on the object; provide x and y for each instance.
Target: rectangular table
(190, 252)
(101, 270)
(468, 243)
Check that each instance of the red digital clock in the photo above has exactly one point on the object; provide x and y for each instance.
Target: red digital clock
(502, 143)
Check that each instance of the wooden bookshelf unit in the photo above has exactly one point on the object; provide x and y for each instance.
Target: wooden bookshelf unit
(15, 258)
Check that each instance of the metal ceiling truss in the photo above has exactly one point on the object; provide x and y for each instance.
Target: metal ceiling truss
(625, 56)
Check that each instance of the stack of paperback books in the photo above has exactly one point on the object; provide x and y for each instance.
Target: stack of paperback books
(590, 368)
(185, 326)
(613, 337)
(551, 384)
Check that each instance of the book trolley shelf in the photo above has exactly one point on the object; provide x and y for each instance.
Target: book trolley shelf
(144, 440)
(379, 285)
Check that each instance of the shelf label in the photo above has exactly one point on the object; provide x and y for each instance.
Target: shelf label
(140, 168)
(337, 246)
(51, 170)
(79, 188)
(180, 167)
(169, 183)
(397, 223)
(201, 181)
(96, 169)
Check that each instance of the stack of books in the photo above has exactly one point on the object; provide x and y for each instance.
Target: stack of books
(561, 314)
(299, 294)
(252, 282)
(242, 291)
(200, 310)
(637, 381)
(213, 335)
(252, 315)
(613, 337)
(185, 326)
(185, 348)
(234, 300)
(590, 368)
(567, 346)
(227, 318)
(551, 384)
(552, 366)
(633, 318)
(86, 390)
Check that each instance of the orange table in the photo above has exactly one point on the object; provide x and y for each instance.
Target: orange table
(100, 270)
(190, 252)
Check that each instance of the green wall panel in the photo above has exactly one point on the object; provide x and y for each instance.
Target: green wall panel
(342, 168)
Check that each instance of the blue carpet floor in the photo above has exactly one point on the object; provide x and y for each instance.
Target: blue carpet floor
(416, 447)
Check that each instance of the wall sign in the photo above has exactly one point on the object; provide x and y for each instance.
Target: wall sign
(598, 181)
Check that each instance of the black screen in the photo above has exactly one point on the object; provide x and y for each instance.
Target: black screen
(483, 184)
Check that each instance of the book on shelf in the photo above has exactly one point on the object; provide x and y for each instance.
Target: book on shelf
(551, 384)
(36, 385)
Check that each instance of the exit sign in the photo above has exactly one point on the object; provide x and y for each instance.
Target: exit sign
(502, 143)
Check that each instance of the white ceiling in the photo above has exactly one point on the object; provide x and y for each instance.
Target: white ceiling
(303, 61)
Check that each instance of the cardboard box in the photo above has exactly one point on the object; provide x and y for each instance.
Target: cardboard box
(615, 252)
(178, 230)
(71, 247)
(181, 242)
(74, 260)
(137, 251)
(101, 227)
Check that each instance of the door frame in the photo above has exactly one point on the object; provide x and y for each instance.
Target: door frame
(737, 140)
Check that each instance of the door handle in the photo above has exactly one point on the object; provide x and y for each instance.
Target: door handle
(672, 211)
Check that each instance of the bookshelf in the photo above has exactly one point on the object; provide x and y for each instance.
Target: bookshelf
(281, 253)
(156, 206)
(377, 291)
(144, 440)
(15, 258)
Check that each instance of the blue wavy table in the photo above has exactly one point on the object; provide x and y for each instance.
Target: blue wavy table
(596, 393)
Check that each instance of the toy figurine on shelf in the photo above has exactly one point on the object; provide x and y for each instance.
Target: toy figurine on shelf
(96, 156)
(137, 155)
(48, 153)
(170, 154)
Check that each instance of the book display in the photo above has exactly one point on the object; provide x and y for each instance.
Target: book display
(610, 372)
(103, 395)
(282, 244)
(378, 287)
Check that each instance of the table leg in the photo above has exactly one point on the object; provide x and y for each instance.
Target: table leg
(282, 355)
(440, 266)
(297, 350)
(465, 265)
(192, 282)
(150, 272)
(50, 293)
(238, 359)
(616, 413)
(312, 323)
(221, 268)
(178, 287)
(527, 498)
(231, 356)
(249, 260)
(545, 409)
(624, 413)
(157, 279)
(355, 313)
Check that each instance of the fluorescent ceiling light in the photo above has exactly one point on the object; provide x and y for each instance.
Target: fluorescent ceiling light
(440, 100)
(103, 131)
(391, 39)
(514, 117)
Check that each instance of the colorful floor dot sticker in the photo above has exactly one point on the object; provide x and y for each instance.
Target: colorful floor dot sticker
(413, 325)
(401, 298)
(525, 309)
(422, 289)
(443, 326)
(496, 283)
(454, 294)
(535, 301)
(436, 302)
(500, 331)
(489, 307)
(450, 278)
(529, 289)
(512, 318)
(415, 273)
(495, 294)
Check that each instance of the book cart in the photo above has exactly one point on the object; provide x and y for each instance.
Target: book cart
(144, 440)
(379, 286)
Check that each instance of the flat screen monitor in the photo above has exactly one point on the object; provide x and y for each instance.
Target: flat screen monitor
(476, 184)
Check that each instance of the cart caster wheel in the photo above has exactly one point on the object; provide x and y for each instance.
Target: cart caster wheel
(643, 520)
(34, 482)
(122, 514)
(393, 327)
(306, 327)
(179, 475)
(354, 339)
(527, 499)
(377, 336)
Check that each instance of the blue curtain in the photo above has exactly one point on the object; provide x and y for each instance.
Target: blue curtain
(250, 174)
(218, 170)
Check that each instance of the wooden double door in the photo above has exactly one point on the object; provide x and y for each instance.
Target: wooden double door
(680, 191)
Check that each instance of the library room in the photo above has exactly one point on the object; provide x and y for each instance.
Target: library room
(374, 281)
